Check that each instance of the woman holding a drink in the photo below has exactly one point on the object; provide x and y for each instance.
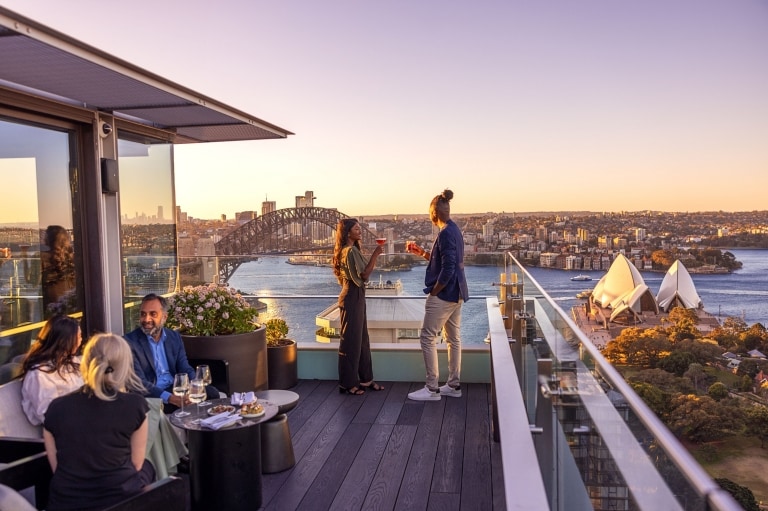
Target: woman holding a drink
(352, 270)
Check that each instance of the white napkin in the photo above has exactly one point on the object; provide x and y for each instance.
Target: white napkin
(242, 398)
(221, 420)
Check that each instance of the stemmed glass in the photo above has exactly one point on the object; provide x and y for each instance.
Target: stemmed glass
(180, 388)
(197, 392)
(203, 372)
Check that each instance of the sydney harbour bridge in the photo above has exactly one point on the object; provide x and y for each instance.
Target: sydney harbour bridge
(284, 231)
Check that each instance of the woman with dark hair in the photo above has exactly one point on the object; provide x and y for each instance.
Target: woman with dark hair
(96, 437)
(352, 270)
(52, 367)
(58, 270)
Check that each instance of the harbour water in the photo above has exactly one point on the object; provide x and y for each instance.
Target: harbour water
(743, 293)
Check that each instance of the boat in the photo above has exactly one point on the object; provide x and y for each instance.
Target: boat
(581, 278)
(584, 294)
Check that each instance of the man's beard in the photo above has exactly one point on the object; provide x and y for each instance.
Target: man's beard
(153, 331)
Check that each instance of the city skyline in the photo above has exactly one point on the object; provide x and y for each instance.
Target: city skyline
(516, 106)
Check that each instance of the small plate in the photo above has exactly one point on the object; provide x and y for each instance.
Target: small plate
(253, 415)
(216, 410)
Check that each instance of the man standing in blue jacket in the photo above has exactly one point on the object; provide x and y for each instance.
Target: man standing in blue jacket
(158, 353)
(446, 286)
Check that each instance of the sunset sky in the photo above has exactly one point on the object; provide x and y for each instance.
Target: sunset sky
(516, 105)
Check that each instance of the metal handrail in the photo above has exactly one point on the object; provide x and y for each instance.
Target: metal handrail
(718, 498)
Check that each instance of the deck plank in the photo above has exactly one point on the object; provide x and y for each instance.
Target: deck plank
(450, 451)
(476, 470)
(414, 492)
(311, 461)
(354, 489)
(382, 493)
(322, 492)
(382, 451)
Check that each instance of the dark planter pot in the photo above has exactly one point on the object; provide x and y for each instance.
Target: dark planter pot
(283, 365)
(246, 355)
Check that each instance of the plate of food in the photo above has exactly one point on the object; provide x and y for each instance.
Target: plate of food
(251, 410)
(215, 410)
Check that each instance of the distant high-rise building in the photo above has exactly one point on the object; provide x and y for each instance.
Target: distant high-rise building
(640, 234)
(245, 216)
(305, 201)
(160, 213)
(540, 233)
(488, 230)
(268, 206)
(223, 217)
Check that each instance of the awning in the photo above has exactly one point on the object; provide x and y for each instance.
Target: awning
(38, 59)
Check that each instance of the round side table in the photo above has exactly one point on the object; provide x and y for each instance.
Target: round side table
(276, 445)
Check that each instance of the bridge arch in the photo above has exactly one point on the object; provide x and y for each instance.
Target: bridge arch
(286, 230)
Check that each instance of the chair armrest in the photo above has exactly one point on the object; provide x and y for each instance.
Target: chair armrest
(169, 494)
(219, 371)
(13, 448)
(32, 470)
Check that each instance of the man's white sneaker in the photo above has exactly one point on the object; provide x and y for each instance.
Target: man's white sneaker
(447, 390)
(424, 394)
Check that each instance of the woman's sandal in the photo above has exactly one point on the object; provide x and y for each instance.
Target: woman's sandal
(355, 391)
(372, 386)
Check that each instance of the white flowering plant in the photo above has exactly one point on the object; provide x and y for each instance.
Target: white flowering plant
(211, 310)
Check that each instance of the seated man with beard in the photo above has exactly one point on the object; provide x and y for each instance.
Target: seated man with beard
(158, 354)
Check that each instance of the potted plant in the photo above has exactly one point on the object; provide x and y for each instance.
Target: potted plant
(216, 322)
(281, 355)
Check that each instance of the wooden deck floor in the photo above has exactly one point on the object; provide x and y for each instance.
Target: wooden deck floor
(382, 451)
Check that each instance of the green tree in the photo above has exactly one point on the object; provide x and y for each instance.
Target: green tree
(717, 391)
(746, 384)
(662, 259)
(667, 382)
(684, 324)
(676, 362)
(741, 494)
(756, 421)
(705, 351)
(701, 418)
(752, 366)
(656, 399)
(699, 377)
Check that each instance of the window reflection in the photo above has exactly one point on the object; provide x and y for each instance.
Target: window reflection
(38, 270)
(148, 223)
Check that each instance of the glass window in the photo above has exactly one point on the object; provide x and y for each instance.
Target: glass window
(148, 223)
(39, 254)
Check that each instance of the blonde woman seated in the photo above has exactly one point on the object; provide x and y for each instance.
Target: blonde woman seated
(96, 436)
(52, 367)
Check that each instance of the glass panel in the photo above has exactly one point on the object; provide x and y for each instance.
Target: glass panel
(38, 251)
(602, 432)
(148, 223)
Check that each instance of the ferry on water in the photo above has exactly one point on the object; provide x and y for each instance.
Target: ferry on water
(581, 278)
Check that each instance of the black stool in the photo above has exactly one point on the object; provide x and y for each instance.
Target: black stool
(276, 445)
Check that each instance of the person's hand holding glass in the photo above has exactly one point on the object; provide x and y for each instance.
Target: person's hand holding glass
(180, 389)
(203, 372)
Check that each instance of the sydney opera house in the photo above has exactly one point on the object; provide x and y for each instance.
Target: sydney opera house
(621, 298)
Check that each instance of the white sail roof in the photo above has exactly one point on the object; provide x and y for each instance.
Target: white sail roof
(677, 288)
(622, 277)
(633, 302)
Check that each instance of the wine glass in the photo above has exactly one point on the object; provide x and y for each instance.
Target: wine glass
(203, 372)
(181, 388)
(381, 241)
(197, 392)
